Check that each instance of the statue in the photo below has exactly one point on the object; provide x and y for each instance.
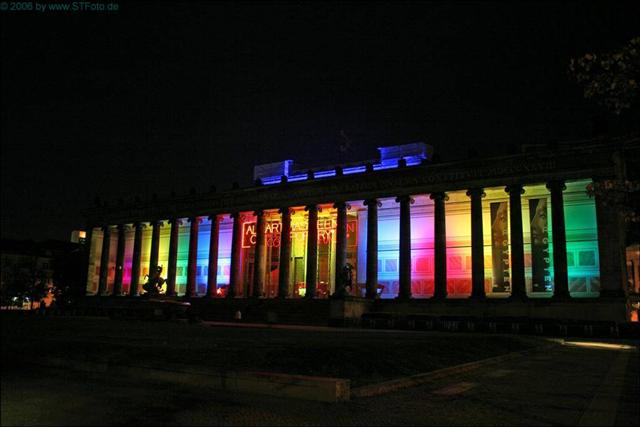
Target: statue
(345, 283)
(154, 282)
(348, 276)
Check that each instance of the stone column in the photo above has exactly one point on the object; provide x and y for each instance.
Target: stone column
(155, 246)
(611, 247)
(117, 283)
(285, 253)
(372, 247)
(560, 272)
(259, 255)
(104, 260)
(212, 278)
(405, 247)
(135, 262)
(440, 246)
(236, 254)
(192, 263)
(88, 276)
(173, 256)
(341, 249)
(312, 252)
(87, 238)
(477, 244)
(518, 289)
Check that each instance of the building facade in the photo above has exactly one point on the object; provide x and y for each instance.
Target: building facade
(510, 235)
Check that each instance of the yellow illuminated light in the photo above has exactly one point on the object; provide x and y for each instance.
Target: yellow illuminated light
(600, 345)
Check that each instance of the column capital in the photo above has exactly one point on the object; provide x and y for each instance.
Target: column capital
(236, 215)
(156, 222)
(282, 211)
(139, 224)
(258, 212)
(213, 217)
(476, 192)
(440, 195)
(105, 227)
(339, 205)
(556, 185)
(312, 207)
(368, 202)
(194, 218)
(517, 188)
(405, 198)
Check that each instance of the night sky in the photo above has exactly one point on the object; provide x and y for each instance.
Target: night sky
(162, 97)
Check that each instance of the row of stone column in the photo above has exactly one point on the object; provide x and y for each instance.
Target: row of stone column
(440, 265)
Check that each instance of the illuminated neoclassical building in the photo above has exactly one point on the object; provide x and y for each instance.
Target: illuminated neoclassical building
(516, 235)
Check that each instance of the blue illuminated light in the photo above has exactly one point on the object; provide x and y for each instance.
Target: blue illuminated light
(414, 154)
(381, 166)
(271, 180)
(300, 177)
(413, 160)
(355, 169)
(324, 174)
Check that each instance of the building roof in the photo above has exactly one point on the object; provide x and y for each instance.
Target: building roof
(580, 160)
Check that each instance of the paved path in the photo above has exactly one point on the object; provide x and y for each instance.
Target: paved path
(569, 385)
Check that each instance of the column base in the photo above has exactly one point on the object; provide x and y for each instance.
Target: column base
(561, 297)
(607, 293)
(339, 294)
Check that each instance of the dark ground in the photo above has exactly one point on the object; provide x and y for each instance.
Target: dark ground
(562, 385)
(362, 356)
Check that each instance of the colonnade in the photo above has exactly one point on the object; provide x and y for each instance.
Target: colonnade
(518, 289)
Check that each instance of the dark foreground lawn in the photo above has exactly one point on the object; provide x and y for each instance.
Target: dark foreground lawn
(363, 356)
